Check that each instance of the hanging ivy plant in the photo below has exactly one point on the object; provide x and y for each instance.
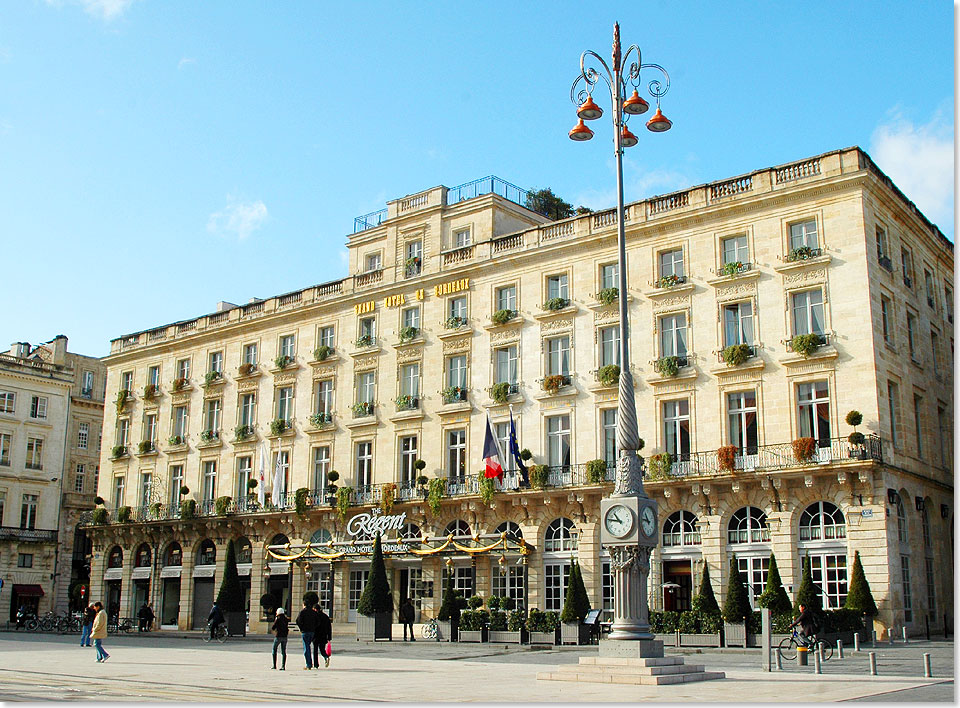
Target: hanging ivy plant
(556, 303)
(486, 487)
(408, 333)
(122, 397)
(435, 494)
(388, 494)
(322, 352)
(736, 354)
(539, 476)
(727, 457)
(609, 375)
(300, 502)
(660, 465)
(667, 366)
(343, 501)
(500, 392)
(503, 316)
(608, 296)
(221, 505)
(804, 449)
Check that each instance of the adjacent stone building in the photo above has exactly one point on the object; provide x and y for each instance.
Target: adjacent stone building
(51, 410)
(763, 309)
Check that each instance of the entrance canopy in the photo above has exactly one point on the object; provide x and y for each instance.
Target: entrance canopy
(28, 590)
(477, 545)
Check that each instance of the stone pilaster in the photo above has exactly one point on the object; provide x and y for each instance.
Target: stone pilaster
(185, 620)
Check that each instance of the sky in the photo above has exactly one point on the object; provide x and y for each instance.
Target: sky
(159, 156)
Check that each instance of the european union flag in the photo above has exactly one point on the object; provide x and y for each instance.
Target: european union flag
(515, 451)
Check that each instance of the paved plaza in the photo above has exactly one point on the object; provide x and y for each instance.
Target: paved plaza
(165, 668)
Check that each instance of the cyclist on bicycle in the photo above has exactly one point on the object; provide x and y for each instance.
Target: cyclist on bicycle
(215, 619)
(807, 622)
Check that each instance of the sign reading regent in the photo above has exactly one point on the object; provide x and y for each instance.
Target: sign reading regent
(375, 524)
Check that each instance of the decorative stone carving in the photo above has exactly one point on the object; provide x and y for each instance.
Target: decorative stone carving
(246, 386)
(405, 355)
(365, 362)
(279, 379)
(671, 303)
(180, 398)
(505, 337)
(322, 372)
(460, 344)
(808, 480)
(557, 325)
(737, 290)
(606, 316)
(805, 276)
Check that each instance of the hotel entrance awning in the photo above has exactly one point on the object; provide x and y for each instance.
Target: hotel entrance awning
(28, 590)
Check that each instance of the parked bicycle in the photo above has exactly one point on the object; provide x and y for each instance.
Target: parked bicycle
(124, 624)
(220, 633)
(789, 646)
(431, 629)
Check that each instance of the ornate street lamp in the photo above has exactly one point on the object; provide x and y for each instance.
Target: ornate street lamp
(629, 517)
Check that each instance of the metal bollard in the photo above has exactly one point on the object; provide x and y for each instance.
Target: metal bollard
(839, 648)
(926, 666)
(873, 663)
(802, 656)
(779, 662)
(873, 639)
(856, 641)
(817, 658)
(890, 635)
(905, 640)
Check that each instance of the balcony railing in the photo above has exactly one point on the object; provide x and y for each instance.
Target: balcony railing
(454, 394)
(802, 253)
(13, 533)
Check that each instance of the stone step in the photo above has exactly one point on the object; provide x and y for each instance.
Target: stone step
(639, 670)
(628, 661)
(630, 678)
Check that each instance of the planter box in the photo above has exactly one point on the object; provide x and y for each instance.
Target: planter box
(380, 626)
(472, 635)
(734, 635)
(505, 637)
(574, 633)
(669, 640)
(447, 630)
(236, 623)
(543, 637)
(700, 640)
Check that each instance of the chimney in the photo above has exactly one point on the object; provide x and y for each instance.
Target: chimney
(20, 349)
(58, 347)
(223, 306)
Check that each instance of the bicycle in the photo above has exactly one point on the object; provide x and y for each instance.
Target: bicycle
(220, 634)
(430, 629)
(789, 645)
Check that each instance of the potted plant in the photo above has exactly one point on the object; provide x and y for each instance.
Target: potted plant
(857, 449)
(539, 476)
(609, 375)
(118, 451)
(411, 266)
(804, 449)
(736, 608)
(99, 516)
(175, 440)
(806, 344)
(859, 597)
(526, 455)
(542, 627)
(319, 420)
(145, 447)
(455, 322)
(374, 612)
(242, 432)
(453, 394)
(155, 509)
(667, 365)
(435, 494)
(301, 502)
(283, 361)
(727, 457)
(246, 368)
(498, 627)
(322, 352)
(221, 505)
(123, 395)
(516, 624)
(150, 390)
(251, 485)
(661, 465)
(552, 384)
(449, 616)
(269, 603)
(230, 599)
(408, 333)
(736, 354)
(596, 471)
(575, 608)
(212, 377)
(473, 622)
(188, 509)
(501, 317)
(801, 253)
(178, 384)
(499, 392)
(364, 340)
(668, 281)
(278, 426)
(608, 296)
(406, 402)
(486, 488)
(332, 477)
(555, 304)
(123, 514)
(209, 435)
(362, 408)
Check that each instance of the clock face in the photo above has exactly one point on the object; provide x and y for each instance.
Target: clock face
(648, 522)
(618, 521)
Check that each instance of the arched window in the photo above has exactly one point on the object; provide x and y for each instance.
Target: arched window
(321, 537)
(748, 525)
(681, 529)
(410, 532)
(173, 554)
(561, 536)
(244, 550)
(279, 540)
(115, 559)
(459, 529)
(511, 529)
(925, 526)
(901, 520)
(142, 558)
(207, 553)
(822, 521)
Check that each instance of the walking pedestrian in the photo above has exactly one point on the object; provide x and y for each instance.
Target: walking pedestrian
(407, 614)
(281, 630)
(150, 617)
(322, 637)
(307, 622)
(100, 631)
(215, 618)
(143, 615)
(89, 615)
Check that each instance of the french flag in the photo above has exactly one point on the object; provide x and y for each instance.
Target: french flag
(491, 453)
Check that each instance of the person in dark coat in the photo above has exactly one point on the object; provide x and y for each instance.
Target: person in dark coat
(807, 622)
(307, 622)
(89, 615)
(145, 615)
(321, 637)
(407, 614)
(215, 618)
(281, 630)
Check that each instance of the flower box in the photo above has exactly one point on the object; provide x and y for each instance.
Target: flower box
(574, 633)
(703, 639)
(504, 637)
(543, 637)
(380, 626)
(472, 635)
(669, 640)
(445, 631)
(734, 635)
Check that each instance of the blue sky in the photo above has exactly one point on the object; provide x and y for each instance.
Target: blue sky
(159, 156)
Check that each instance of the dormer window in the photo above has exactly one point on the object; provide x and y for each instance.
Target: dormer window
(374, 262)
(461, 238)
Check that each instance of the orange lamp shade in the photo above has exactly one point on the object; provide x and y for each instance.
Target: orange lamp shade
(588, 110)
(627, 139)
(580, 132)
(635, 105)
(659, 123)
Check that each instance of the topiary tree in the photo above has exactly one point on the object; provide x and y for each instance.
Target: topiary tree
(705, 601)
(808, 594)
(576, 605)
(230, 598)
(449, 608)
(736, 606)
(774, 596)
(859, 597)
(376, 595)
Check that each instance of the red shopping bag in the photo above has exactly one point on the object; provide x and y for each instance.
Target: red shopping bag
(329, 649)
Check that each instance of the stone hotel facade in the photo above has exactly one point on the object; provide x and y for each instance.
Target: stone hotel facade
(461, 303)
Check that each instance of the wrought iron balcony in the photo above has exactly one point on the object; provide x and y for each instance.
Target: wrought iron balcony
(14, 533)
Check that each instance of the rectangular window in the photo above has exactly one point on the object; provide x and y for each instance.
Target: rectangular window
(813, 404)
(892, 396)
(907, 593)
(38, 407)
(506, 297)
(912, 335)
(886, 319)
(943, 431)
(321, 582)
(609, 345)
(358, 581)
(742, 421)
(150, 427)
(8, 401)
(126, 381)
(457, 371)
(248, 407)
(183, 369)
(24, 560)
(368, 329)
(123, 432)
(209, 481)
(410, 380)
(250, 354)
(457, 307)
(917, 427)
(410, 318)
(176, 482)
(28, 511)
(288, 345)
(462, 580)
(153, 375)
(324, 399)
(281, 461)
(906, 265)
(216, 362)
(928, 287)
(557, 287)
(86, 388)
(244, 474)
(3, 501)
(738, 324)
(374, 262)
(803, 234)
(83, 435)
(948, 299)
(78, 478)
(6, 442)
(327, 336)
(807, 308)
(364, 463)
(366, 387)
(673, 335)
(508, 582)
(285, 403)
(212, 415)
(676, 429)
(558, 441)
(735, 250)
(931, 587)
(609, 276)
(753, 574)
(461, 238)
(502, 431)
(883, 249)
(935, 351)
(555, 577)
(408, 456)
(506, 362)
(558, 356)
(670, 263)
(415, 250)
(146, 480)
(180, 421)
(608, 419)
(34, 454)
(456, 454)
(119, 483)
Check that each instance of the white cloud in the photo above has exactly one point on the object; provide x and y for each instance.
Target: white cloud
(186, 61)
(239, 219)
(105, 10)
(639, 183)
(919, 159)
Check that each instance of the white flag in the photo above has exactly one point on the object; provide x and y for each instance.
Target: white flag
(262, 476)
(278, 481)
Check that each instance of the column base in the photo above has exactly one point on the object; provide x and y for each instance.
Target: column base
(631, 648)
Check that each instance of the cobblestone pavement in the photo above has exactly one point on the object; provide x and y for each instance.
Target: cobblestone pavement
(158, 668)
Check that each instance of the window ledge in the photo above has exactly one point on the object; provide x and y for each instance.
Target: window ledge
(550, 314)
(719, 280)
(687, 287)
(153, 453)
(686, 373)
(824, 353)
(455, 407)
(252, 375)
(331, 359)
(210, 444)
(292, 366)
(371, 419)
(287, 433)
(515, 322)
(249, 440)
(754, 363)
(806, 263)
(411, 414)
(419, 339)
(172, 449)
(512, 398)
(363, 351)
(458, 332)
(215, 383)
(563, 392)
(596, 305)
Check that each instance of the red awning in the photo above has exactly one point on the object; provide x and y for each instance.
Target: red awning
(28, 590)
